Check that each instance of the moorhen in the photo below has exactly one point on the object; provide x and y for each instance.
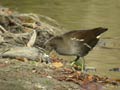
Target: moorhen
(75, 43)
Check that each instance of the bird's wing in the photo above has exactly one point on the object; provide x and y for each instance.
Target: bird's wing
(79, 35)
(82, 37)
(87, 35)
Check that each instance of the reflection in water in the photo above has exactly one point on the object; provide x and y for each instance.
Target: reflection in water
(83, 14)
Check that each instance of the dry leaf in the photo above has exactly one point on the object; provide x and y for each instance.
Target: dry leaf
(57, 64)
(90, 77)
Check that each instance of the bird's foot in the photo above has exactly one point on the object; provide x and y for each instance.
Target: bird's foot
(76, 65)
(79, 66)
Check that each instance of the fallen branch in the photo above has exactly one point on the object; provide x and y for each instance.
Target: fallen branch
(21, 52)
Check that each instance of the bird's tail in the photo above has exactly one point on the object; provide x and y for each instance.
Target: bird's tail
(99, 30)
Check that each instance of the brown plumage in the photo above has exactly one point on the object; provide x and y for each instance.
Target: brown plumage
(75, 43)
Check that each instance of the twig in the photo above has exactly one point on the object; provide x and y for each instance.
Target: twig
(32, 39)
(4, 30)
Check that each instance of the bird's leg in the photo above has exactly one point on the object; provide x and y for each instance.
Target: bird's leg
(84, 68)
(74, 62)
(83, 64)
(77, 58)
(80, 64)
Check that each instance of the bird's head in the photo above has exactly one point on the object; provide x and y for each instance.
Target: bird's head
(52, 43)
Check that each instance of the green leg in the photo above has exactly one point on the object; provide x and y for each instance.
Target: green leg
(79, 61)
(75, 61)
(85, 69)
(83, 64)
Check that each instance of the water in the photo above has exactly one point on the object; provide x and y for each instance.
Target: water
(83, 14)
(78, 14)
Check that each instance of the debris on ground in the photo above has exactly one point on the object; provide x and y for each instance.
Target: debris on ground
(20, 32)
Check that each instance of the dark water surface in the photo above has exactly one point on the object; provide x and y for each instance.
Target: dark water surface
(83, 14)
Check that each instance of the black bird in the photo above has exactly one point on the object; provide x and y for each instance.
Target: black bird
(75, 43)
